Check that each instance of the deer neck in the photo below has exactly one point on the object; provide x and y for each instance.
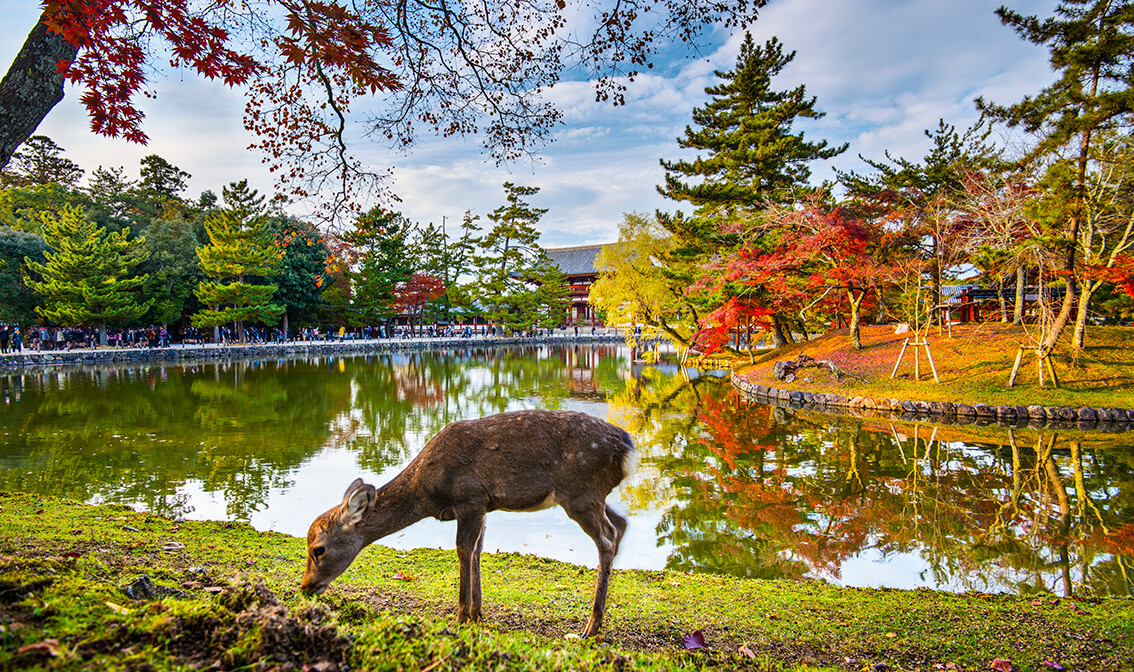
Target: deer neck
(396, 506)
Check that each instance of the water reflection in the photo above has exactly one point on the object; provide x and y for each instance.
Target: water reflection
(724, 485)
(756, 490)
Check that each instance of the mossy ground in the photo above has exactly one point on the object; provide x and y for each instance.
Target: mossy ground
(973, 365)
(233, 604)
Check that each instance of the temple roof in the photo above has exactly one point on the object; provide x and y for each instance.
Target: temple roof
(578, 260)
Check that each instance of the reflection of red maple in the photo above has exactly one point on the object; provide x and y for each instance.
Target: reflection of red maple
(823, 495)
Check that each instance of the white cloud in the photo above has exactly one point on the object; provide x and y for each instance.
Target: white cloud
(883, 71)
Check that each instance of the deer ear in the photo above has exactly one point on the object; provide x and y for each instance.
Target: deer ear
(358, 504)
(351, 488)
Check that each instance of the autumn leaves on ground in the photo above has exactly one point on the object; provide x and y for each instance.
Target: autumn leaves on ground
(973, 365)
(223, 596)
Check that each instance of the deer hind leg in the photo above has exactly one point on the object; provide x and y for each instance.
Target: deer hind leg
(606, 528)
(470, 541)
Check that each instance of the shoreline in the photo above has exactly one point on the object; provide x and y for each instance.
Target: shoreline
(178, 354)
(1116, 420)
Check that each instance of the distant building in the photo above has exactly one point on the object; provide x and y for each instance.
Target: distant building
(578, 264)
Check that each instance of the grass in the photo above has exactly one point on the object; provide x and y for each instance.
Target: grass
(973, 366)
(63, 567)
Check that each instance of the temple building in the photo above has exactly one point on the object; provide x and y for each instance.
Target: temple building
(578, 264)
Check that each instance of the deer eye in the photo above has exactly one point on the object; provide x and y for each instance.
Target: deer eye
(318, 552)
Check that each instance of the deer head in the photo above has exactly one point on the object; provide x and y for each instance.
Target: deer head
(336, 537)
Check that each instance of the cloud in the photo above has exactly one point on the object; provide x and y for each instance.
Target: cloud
(883, 71)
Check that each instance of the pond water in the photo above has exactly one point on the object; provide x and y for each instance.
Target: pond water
(724, 485)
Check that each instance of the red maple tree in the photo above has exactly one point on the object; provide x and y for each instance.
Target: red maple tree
(452, 68)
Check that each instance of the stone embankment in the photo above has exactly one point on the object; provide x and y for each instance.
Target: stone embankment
(181, 354)
(1105, 419)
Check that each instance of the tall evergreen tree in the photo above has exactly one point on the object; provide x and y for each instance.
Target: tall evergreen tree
(752, 156)
(17, 299)
(40, 161)
(114, 202)
(507, 267)
(302, 276)
(173, 267)
(745, 129)
(1091, 43)
(240, 255)
(381, 241)
(86, 278)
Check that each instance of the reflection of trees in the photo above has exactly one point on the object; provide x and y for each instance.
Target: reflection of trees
(402, 400)
(140, 434)
(761, 491)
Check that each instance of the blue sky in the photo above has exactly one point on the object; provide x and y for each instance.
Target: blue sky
(883, 71)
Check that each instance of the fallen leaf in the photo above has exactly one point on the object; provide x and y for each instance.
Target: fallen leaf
(76, 531)
(214, 589)
(70, 554)
(118, 608)
(571, 635)
(891, 635)
(1038, 603)
(744, 650)
(47, 646)
(173, 546)
(130, 529)
(771, 616)
(249, 562)
(402, 577)
(1002, 665)
(1053, 665)
(695, 641)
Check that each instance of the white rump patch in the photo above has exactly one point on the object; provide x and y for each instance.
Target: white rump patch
(629, 463)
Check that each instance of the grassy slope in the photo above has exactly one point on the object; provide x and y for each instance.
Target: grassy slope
(973, 366)
(62, 566)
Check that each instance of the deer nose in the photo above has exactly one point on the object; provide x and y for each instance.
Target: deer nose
(311, 587)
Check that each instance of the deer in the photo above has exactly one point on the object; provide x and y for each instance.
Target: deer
(517, 461)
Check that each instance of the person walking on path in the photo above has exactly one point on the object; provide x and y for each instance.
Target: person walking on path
(17, 341)
(4, 339)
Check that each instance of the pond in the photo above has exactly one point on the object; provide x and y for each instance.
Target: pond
(724, 485)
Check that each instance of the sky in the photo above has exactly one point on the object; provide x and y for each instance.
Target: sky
(883, 71)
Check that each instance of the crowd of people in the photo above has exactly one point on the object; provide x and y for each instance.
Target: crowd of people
(38, 338)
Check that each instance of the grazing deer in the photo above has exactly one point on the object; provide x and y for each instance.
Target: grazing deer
(519, 461)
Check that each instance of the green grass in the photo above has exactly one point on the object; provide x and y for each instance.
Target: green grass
(63, 565)
(973, 366)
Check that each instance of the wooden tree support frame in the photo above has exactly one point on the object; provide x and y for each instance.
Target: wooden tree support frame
(917, 362)
(1041, 364)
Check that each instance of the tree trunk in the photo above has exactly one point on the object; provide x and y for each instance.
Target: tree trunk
(1018, 308)
(855, 317)
(1003, 301)
(780, 338)
(102, 333)
(1088, 290)
(31, 87)
(285, 327)
(881, 317)
(1061, 320)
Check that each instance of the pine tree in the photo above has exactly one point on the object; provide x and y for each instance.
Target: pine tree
(752, 158)
(381, 240)
(1091, 43)
(746, 130)
(510, 256)
(238, 252)
(39, 161)
(86, 278)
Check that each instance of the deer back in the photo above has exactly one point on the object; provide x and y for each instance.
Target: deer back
(521, 461)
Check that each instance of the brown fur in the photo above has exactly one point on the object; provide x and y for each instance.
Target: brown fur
(519, 461)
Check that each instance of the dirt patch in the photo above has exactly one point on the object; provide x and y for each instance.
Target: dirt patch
(249, 628)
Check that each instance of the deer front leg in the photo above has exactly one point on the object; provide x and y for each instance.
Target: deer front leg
(470, 539)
